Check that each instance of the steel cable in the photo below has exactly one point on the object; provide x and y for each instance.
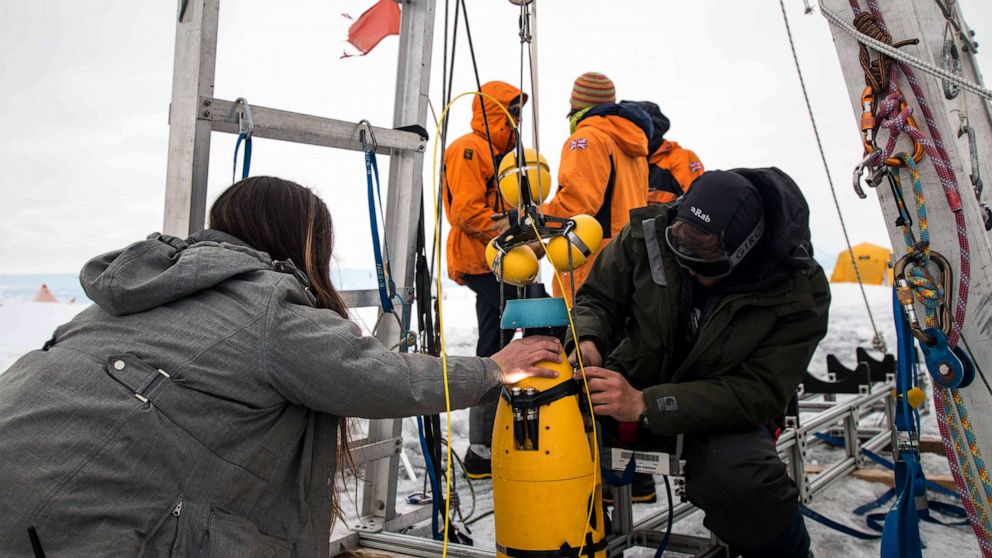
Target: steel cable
(878, 342)
(908, 59)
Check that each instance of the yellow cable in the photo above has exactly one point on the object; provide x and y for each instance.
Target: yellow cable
(440, 311)
(585, 383)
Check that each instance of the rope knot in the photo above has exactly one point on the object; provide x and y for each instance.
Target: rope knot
(877, 70)
(899, 121)
(925, 288)
(922, 247)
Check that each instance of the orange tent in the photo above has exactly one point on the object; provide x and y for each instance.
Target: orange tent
(873, 265)
(44, 295)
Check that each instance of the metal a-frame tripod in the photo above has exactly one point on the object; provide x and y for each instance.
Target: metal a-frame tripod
(195, 113)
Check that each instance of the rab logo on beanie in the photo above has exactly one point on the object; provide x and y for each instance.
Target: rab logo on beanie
(726, 204)
(699, 213)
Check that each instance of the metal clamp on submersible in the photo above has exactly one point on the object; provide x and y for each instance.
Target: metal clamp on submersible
(526, 404)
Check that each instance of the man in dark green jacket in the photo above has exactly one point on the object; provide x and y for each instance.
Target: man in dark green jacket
(708, 311)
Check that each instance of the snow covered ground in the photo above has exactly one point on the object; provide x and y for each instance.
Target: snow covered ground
(25, 326)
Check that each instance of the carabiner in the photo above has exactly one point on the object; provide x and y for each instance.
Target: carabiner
(869, 128)
(976, 177)
(246, 124)
(950, 368)
(950, 61)
(361, 136)
(903, 291)
(873, 178)
(868, 118)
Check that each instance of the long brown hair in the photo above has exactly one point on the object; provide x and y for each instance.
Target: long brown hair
(290, 222)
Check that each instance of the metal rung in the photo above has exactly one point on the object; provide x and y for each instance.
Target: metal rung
(409, 519)
(410, 546)
(367, 298)
(304, 128)
(681, 543)
(375, 451)
(369, 527)
(656, 521)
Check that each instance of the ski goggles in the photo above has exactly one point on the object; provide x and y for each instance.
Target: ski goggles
(710, 268)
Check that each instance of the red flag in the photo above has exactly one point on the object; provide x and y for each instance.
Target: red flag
(377, 23)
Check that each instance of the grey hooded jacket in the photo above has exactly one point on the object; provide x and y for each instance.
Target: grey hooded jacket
(192, 410)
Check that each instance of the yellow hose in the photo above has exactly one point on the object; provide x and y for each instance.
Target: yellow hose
(440, 306)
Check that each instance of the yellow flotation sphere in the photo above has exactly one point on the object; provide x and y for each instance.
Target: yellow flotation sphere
(585, 239)
(538, 176)
(518, 266)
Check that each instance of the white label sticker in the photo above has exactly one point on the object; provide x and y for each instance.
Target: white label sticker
(654, 463)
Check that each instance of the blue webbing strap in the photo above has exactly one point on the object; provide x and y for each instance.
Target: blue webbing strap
(663, 545)
(246, 163)
(885, 498)
(949, 510)
(387, 288)
(839, 443)
(900, 525)
(436, 532)
(875, 520)
(901, 530)
(624, 479)
(835, 525)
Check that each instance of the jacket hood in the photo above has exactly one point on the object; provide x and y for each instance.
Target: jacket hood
(629, 126)
(659, 122)
(786, 216)
(163, 269)
(499, 128)
(785, 245)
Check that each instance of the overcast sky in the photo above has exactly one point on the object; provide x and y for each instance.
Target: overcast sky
(85, 88)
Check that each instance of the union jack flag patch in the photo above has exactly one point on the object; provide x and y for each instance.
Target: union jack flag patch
(580, 143)
(695, 166)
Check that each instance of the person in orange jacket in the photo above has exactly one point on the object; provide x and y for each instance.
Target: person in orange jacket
(604, 169)
(671, 168)
(471, 199)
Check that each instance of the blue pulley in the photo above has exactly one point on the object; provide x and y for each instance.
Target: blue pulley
(949, 368)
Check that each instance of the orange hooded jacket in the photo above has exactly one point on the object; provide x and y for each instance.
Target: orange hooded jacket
(671, 172)
(470, 196)
(604, 173)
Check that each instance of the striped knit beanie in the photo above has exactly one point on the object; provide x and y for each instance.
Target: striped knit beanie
(591, 89)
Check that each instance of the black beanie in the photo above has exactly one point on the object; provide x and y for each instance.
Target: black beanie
(723, 203)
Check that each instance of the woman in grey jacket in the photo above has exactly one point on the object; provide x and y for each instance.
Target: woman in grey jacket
(192, 410)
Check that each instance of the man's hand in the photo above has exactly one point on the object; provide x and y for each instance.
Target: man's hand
(501, 223)
(538, 247)
(612, 395)
(590, 355)
(516, 360)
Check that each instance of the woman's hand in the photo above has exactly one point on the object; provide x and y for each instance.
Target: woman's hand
(590, 354)
(516, 361)
(612, 395)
